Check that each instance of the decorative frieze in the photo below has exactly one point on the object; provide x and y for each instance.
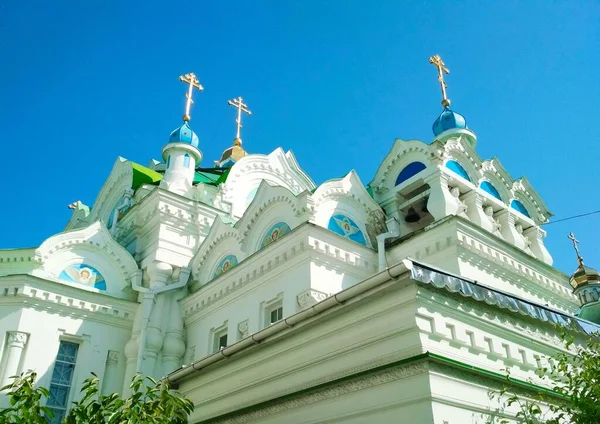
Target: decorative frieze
(308, 298)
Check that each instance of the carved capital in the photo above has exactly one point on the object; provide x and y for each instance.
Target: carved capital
(243, 328)
(17, 339)
(112, 357)
(309, 297)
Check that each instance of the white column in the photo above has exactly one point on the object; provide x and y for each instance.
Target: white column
(16, 342)
(536, 236)
(173, 345)
(475, 210)
(111, 382)
(441, 202)
(509, 232)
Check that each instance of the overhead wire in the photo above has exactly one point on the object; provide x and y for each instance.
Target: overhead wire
(572, 217)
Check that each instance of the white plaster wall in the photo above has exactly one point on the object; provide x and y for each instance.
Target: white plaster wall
(47, 328)
(285, 283)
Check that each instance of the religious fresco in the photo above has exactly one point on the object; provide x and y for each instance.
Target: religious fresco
(274, 233)
(344, 226)
(225, 265)
(83, 274)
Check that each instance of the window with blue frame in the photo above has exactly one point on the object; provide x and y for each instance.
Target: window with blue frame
(457, 168)
(168, 161)
(490, 189)
(62, 378)
(518, 206)
(186, 161)
(409, 171)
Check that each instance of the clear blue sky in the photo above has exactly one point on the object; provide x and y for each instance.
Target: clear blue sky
(334, 81)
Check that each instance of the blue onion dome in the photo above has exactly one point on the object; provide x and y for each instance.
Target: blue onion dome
(448, 120)
(184, 134)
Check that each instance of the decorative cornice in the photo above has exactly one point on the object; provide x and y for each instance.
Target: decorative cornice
(30, 290)
(270, 258)
(332, 391)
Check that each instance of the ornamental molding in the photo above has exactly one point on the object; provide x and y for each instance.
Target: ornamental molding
(475, 317)
(17, 256)
(17, 338)
(119, 180)
(310, 297)
(46, 295)
(279, 164)
(95, 237)
(483, 247)
(334, 390)
(417, 149)
(268, 196)
(273, 257)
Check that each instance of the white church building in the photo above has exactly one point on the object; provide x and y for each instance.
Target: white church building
(266, 299)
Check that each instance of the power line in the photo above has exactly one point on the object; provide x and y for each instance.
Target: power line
(572, 217)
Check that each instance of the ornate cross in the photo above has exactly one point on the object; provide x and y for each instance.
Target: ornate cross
(576, 247)
(194, 83)
(241, 107)
(441, 67)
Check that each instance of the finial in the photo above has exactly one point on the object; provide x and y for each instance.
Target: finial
(441, 67)
(241, 107)
(576, 247)
(194, 83)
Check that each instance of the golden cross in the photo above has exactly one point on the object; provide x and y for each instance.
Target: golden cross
(194, 83)
(441, 67)
(241, 107)
(576, 247)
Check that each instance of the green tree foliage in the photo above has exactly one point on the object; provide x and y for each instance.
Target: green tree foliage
(151, 402)
(574, 398)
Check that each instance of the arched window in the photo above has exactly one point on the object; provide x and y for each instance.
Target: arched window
(186, 161)
(457, 168)
(490, 189)
(409, 171)
(168, 161)
(344, 226)
(225, 265)
(518, 206)
(274, 233)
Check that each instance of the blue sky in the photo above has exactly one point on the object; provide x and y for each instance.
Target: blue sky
(334, 81)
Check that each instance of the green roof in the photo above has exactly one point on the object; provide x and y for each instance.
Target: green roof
(143, 175)
(211, 176)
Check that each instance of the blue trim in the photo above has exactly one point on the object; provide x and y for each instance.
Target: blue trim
(409, 171)
(490, 189)
(186, 161)
(457, 168)
(346, 227)
(519, 207)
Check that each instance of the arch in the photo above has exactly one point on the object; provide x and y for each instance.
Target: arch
(168, 161)
(346, 227)
(225, 264)
(490, 189)
(186, 161)
(274, 233)
(519, 207)
(458, 169)
(409, 171)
